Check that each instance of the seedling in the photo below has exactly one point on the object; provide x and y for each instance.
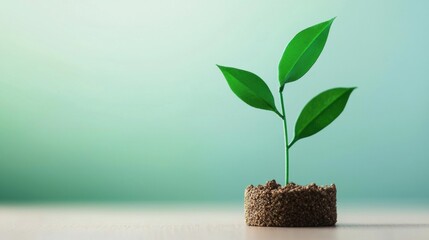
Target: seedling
(299, 56)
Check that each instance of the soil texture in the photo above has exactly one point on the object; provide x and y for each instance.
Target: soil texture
(273, 205)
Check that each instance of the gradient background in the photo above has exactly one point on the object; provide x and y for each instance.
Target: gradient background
(121, 100)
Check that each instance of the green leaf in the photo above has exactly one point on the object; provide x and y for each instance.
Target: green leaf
(321, 111)
(250, 88)
(302, 52)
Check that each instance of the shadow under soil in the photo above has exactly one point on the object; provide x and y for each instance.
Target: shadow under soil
(383, 225)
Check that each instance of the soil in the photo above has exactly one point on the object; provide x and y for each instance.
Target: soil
(292, 205)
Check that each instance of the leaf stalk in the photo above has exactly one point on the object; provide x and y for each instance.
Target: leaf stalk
(279, 114)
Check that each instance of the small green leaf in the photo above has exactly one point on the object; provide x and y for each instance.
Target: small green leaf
(302, 52)
(250, 88)
(321, 111)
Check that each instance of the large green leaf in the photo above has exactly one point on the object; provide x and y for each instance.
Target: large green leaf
(320, 112)
(302, 52)
(250, 88)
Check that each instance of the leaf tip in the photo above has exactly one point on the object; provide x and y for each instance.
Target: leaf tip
(330, 21)
(223, 69)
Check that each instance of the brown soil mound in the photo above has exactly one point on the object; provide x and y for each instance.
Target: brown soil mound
(290, 206)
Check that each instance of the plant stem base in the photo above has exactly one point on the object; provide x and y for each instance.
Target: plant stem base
(290, 206)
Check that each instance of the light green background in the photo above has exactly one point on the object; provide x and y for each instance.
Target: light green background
(121, 100)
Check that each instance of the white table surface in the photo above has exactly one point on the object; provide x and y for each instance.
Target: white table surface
(197, 222)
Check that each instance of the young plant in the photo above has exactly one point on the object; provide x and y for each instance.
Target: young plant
(299, 56)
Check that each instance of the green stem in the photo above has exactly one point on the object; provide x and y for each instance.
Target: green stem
(286, 140)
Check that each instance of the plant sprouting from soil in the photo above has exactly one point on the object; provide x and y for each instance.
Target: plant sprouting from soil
(299, 56)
